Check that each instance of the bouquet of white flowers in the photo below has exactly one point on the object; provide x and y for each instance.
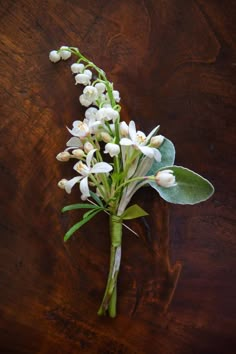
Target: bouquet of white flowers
(133, 160)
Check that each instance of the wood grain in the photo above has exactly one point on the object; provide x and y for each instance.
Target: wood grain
(174, 63)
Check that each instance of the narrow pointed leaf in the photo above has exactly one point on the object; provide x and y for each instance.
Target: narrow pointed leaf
(96, 198)
(191, 188)
(133, 212)
(78, 206)
(78, 225)
(91, 212)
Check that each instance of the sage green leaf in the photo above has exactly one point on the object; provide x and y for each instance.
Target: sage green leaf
(133, 212)
(79, 206)
(167, 151)
(191, 188)
(78, 225)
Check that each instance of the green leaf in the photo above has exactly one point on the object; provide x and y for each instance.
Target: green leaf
(167, 151)
(78, 225)
(96, 198)
(79, 206)
(134, 211)
(91, 212)
(191, 188)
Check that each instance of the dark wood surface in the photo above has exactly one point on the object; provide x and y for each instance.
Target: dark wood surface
(174, 62)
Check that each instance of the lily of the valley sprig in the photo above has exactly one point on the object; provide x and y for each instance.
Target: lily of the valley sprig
(112, 160)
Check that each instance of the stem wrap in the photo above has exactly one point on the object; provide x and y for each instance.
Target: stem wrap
(109, 298)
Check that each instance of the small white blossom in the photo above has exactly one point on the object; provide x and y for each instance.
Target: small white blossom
(79, 153)
(63, 156)
(139, 141)
(90, 93)
(64, 53)
(62, 183)
(124, 129)
(156, 141)
(80, 129)
(88, 73)
(54, 56)
(74, 143)
(105, 137)
(112, 149)
(85, 101)
(101, 87)
(83, 79)
(77, 68)
(88, 147)
(116, 95)
(165, 178)
(106, 114)
(90, 113)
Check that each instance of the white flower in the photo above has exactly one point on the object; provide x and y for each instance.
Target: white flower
(90, 93)
(54, 56)
(77, 68)
(90, 113)
(80, 129)
(105, 137)
(83, 79)
(139, 141)
(85, 101)
(85, 170)
(61, 184)
(112, 149)
(101, 87)
(124, 129)
(165, 178)
(116, 95)
(65, 54)
(156, 141)
(106, 114)
(78, 153)
(88, 147)
(88, 73)
(63, 156)
(74, 143)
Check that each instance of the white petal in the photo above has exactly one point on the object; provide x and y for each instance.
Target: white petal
(70, 184)
(75, 142)
(152, 133)
(84, 187)
(89, 157)
(126, 142)
(101, 167)
(132, 130)
(147, 151)
(133, 167)
(157, 155)
(144, 166)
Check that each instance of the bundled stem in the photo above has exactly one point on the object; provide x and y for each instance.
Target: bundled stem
(110, 295)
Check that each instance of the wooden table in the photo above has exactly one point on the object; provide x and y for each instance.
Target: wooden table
(174, 63)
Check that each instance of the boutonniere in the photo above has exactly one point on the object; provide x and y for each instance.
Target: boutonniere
(112, 160)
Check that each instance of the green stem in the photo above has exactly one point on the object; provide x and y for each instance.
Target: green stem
(109, 298)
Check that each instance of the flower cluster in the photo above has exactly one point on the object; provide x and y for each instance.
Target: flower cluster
(113, 159)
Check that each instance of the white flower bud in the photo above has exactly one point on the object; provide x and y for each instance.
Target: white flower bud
(165, 179)
(90, 113)
(116, 95)
(101, 87)
(54, 57)
(78, 153)
(63, 156)
(88, 146)
(106, 113)
(112, 149)
(82, 79)
(105, 137)
(65, 54)
(77, 68)
(84, 101)
(124, 129)
(83, 197)
(61, 184)
(88, 73)
(90, 93)
(156, 141)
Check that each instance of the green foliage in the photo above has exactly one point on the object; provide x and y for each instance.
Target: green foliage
(167, 151)
(78, 206)
(191, 188)
(133, 212)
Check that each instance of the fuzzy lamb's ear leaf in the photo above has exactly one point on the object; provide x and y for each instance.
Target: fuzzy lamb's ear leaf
(191, 188)
(133, 212)
(167, 151)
